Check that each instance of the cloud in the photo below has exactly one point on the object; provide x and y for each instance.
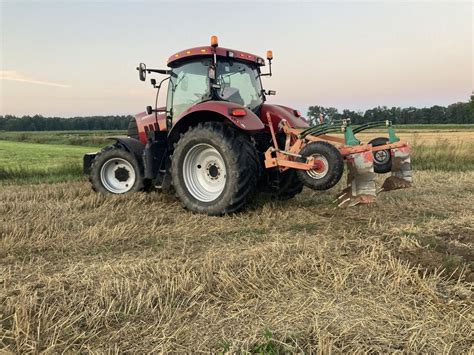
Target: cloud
(12, 75)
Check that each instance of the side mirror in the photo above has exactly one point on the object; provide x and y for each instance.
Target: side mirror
(149, 110)
(271, 92)
(142, 71)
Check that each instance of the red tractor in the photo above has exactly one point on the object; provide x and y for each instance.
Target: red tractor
(217, 141)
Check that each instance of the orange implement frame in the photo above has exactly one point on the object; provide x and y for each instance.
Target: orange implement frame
(289, 157)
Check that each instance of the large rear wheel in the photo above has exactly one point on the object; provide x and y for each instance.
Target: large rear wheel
(116, 171)
(214, 169)
(284, 185)
(280, 185)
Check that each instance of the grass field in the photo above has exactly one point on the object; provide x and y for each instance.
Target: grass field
(57, 156)
(30, 162)
(80, 272)
(85, 138)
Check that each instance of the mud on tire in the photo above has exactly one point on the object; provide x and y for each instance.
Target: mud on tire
(218, 158)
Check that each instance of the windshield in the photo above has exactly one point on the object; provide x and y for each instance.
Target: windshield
(189, 85)
(239, 83)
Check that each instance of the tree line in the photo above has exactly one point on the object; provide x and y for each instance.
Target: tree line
(457, 113)
(41, 123)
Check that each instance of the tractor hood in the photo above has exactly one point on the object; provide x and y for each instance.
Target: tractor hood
(279, 113)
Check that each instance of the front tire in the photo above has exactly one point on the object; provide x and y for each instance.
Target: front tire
(214, 169)
(116, 171)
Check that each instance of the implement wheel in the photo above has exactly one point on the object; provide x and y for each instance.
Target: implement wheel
(332, 166)
(382, 158)
(214, 169)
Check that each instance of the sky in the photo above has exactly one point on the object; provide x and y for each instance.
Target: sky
(68, 58)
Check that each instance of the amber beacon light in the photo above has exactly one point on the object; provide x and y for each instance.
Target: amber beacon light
(214, 42)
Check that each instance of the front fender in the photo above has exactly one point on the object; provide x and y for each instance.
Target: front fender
(131, 144)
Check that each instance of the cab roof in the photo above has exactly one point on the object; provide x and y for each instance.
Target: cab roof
(208, 51)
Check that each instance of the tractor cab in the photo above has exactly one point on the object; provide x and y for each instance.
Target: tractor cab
(235, 81)
(214, 73)
(211, 73)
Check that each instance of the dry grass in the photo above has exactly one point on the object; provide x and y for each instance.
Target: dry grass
(80, 272)
(424, 137)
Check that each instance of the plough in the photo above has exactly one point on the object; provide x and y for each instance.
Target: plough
(363, 160)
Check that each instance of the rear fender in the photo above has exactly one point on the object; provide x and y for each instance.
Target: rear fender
(280, 113)
(217, 111)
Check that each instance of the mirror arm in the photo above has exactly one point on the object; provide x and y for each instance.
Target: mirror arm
(149, 109)
(159, 71)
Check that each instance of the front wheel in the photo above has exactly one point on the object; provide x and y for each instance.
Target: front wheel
(116, 171)
(331, 166)
(214, 169)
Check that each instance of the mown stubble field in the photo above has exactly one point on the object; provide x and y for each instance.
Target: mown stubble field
(81, 272)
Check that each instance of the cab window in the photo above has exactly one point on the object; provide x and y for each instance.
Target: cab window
(189, 85)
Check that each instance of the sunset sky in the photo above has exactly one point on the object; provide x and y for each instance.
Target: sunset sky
(70, 58)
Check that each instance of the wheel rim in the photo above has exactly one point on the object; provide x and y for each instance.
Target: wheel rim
(322, 172)
(204, 172)
(382, 156)
(117, 175)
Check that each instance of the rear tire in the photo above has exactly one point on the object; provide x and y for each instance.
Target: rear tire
(116, 171)
(382, 158)
(286, 185)
(214, 169)
(332, 170)
(279, 185)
